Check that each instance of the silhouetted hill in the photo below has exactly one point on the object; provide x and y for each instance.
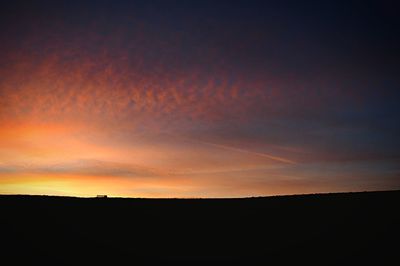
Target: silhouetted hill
(324, 229)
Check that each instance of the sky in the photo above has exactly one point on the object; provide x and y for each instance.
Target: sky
(199, 98)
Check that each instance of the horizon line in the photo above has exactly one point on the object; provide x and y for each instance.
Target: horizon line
(204, 198)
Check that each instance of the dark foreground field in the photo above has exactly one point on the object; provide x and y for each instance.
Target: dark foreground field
(330, 229)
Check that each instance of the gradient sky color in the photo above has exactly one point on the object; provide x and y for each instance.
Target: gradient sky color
(199, 98)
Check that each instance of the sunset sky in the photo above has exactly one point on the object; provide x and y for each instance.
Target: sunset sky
(199, 98)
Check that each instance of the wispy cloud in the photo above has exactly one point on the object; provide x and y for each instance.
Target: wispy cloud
(191, 104)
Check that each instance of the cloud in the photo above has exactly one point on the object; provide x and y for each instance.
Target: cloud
(234, 149)
(180, 105)
(84, 167)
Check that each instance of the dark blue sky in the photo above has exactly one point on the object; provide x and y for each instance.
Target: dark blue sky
(218, 98)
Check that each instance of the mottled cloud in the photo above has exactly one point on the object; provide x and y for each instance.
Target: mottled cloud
(192, 104)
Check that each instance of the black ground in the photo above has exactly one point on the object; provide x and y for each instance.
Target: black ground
(327, 229)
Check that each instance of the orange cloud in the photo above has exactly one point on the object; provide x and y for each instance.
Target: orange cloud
(102, 115)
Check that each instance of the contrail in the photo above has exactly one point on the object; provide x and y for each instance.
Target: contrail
(275, 158)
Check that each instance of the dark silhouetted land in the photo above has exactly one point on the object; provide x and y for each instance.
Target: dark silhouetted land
(324, 229)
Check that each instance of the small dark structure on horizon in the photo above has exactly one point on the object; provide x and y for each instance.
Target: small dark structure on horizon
(101, 196)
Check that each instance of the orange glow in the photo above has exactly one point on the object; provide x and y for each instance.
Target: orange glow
(62, 159)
